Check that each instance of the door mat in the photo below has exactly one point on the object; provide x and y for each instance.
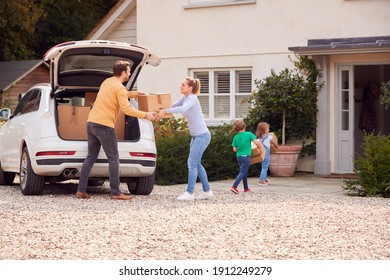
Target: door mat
(342, 176)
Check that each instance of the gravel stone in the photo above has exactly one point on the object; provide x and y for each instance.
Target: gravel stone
(260, 224)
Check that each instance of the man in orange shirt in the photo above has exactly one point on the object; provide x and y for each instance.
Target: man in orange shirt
(112, 98)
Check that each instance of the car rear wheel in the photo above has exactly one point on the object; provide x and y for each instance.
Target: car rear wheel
(30, 183)
(6, 178)
(141, 185)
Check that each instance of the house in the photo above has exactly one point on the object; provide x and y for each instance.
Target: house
(16, 77)
(229, 43)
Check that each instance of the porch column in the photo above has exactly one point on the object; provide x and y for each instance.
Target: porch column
(322, 163)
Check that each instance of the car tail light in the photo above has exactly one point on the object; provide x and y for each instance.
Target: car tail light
(140, 154)
(55, 153)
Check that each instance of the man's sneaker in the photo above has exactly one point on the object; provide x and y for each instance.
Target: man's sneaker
(186, 196)
(235, 190)
(263, 183)
(205, 195)
(247, 190)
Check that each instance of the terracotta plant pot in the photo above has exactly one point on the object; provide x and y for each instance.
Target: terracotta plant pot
(284, 161)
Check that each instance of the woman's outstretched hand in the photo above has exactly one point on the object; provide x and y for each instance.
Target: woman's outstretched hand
(160, 114)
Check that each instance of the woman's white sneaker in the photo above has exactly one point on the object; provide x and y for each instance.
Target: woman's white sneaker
(205, 195)
(186, 196)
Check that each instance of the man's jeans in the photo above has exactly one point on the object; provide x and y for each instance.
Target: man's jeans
(101, 136)
(197, 147)
(244, 162)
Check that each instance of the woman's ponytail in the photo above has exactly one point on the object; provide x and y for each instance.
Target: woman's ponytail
(195, 84)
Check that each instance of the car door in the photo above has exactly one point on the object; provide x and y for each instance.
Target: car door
(15, 131)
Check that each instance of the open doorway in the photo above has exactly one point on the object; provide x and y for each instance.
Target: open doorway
(370, 115)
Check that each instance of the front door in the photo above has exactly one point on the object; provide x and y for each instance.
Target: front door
(344, 120)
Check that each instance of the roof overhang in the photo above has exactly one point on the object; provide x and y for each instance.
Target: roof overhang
(344, 46)
(116, 15)
(32, 65)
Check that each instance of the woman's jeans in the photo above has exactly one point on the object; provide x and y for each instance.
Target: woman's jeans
(197, 147)
(265, 164)
(244, 162)
(101, 136)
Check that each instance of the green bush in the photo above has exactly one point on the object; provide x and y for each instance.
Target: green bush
(170, 127)
(172, 154)
(173, 144)
(384, 98)
(372, 168)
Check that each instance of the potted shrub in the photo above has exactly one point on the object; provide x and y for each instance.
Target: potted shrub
(288, 102)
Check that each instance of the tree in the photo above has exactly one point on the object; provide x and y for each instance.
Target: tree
(29, 28)
(68, 20)
(17, 26)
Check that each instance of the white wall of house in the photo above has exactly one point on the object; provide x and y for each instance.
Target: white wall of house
(209, 37)
(256, 34)
(119, 25)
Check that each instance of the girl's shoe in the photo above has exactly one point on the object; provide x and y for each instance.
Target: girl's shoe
(263, 183)
(235, 190)
(247, 190)
(267, 181)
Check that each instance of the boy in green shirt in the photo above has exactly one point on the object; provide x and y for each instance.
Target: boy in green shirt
(242, 146)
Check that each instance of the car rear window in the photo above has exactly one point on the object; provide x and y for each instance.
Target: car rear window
(89, 62)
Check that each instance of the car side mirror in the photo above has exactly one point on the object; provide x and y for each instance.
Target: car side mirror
(5, 113)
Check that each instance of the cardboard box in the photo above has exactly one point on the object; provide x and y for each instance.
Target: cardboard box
(255, 150)
(273, 148)
(258, 155)
(72, 122)
(90, 98)
(155, 102)
(256, 159)
(120, 126)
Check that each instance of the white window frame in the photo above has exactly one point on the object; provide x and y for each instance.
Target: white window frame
(210, 119)
(193, 4)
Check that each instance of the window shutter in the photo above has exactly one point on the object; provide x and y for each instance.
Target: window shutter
(244, 82)
(222, 82)
(204, 92)
(243, 92)
(222, 94)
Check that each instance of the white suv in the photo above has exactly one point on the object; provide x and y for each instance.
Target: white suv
(44, 139)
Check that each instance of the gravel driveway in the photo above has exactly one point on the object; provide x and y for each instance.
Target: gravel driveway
(256, 225)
